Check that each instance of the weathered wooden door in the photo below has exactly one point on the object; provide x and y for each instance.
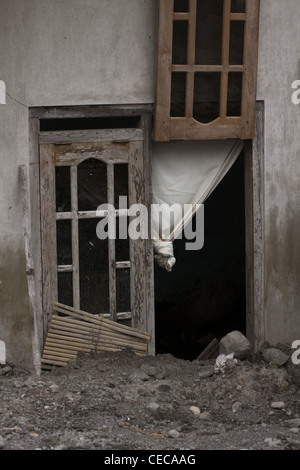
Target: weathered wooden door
(80, 171)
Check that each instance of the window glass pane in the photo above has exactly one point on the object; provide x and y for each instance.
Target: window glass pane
(65, 288)
(180, 39)
(64, 242)
(122, 244)
(209, 32)
(121, 184)
(238, 6)
(235, 81)
(207, 96)
(123, 290)
(63, 191)
(181, 5)
(236, 54)
(178, 94)
(93, 267)
(92, 184)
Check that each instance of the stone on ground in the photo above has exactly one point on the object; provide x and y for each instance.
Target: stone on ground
(235, 342)
(195, 410)
(275, 356)
(278, 405)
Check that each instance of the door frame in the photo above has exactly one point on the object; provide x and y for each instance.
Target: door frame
(254, 224)
(254, 189)
(143, 114)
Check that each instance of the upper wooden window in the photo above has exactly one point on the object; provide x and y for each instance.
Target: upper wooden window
(207, 69)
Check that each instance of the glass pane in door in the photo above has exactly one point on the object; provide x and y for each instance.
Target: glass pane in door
(65, 288)
(63, 189)
(93, 268)
(92, 184)
(123, 290)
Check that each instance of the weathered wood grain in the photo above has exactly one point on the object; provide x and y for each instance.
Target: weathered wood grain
(112, 247)
(225, 57)
(251, 63)
(75, 237)
(254, 191)
(35, 208)
(48, 231)
(98, 135)
(163, 75)
(137, 247)
(35, 324)
(149, 312)
(92, 111)
(191, 54)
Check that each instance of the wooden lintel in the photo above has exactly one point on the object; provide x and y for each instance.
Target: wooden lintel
(93, 111)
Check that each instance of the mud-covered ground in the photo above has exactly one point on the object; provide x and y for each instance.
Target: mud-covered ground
(118, 401)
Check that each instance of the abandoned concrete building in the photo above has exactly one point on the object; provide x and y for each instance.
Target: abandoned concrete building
(187, 102)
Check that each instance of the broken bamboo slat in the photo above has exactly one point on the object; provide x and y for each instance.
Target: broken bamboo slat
(99, 339)
(78, 331)
(210, 351)
(94, 319)
(125, 344)
(60, 348)
(71, 346)
(88, 350)
(85, 347)
(81, 345)
(66, 336)
(56, 357)
(59, 352)
(81, 331)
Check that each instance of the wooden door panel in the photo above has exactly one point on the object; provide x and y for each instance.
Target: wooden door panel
(70, 150)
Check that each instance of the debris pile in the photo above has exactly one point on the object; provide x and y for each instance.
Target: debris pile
(122, 401)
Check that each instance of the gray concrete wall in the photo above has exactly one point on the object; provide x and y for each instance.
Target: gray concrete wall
(75, 52)
(279, 66)
(59, 52)
(14, 308)
(69, 52)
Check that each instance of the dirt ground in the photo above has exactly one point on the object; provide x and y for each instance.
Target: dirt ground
(119, 401)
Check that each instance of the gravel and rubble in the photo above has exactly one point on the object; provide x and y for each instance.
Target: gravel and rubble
(119, 401)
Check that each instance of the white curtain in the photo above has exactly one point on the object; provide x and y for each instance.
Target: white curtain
(185, 173)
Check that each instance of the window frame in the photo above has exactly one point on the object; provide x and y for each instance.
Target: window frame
(187, 128)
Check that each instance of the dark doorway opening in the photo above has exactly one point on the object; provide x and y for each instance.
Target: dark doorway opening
(204, 297)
